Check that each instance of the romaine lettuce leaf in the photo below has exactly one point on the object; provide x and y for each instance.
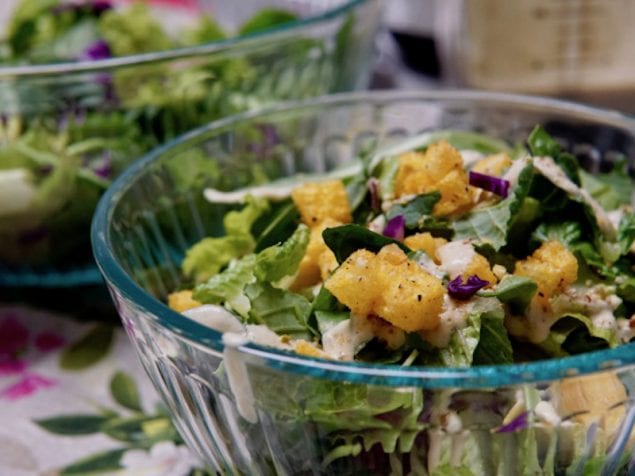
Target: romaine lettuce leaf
(345, 239)
(283, 312)
(207, 257)
(229, 286)
(490, 225)
(515, 291)
(279, 261)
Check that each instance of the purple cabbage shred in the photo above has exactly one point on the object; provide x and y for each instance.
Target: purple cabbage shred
(518, 423)
(395, 228)
(465, 290)
(490, 183)
(94, 7)
(96, 51)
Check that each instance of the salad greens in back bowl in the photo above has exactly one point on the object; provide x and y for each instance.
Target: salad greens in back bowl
(387, 283)
(88, 86)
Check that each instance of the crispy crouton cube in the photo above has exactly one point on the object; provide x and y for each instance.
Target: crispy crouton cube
(354, 283)
(480, 267)
(182, 301)
(439, 168)
(552, 266)
(411, 298)
(390, 286)
(494, 164)
(318, 261)
(318, 201)
(427, 243)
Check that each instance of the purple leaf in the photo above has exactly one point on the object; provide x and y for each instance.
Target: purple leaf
(94, 7)
(96, 51)
(460, 290)
(395, 228)
(518, 423)
(490, 183)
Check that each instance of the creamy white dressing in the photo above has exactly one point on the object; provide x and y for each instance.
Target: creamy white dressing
(550, 170)
(546, 412)
(343, 340)
(513, 172)
(237, 377)
(453, 316)
(271, 192)
(16, 191)
(377, 225)
(471, 157)
(427, 264)
(455, 257)
(215, 317)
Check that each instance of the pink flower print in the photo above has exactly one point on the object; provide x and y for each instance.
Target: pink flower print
(13, 337)
(29, 384)
(11, 367)
(48, 341)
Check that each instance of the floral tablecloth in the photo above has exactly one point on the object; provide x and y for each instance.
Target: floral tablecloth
(74, 400)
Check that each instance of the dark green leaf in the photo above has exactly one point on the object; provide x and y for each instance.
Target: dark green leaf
(73, 424)
(416, 209)
(346, 239)
(124, 391)
(494, 346)
(277, 226)
(88, 350)
(515, 291)
(542, 144)
(95, 464)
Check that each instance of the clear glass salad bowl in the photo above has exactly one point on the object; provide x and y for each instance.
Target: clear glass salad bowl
(68, 127)
(251, 409)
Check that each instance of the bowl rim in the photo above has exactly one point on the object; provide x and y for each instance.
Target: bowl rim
(481, 377)
(251, 40)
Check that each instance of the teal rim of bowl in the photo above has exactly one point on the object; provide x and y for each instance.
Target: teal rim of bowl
(479, 377)
(289, 29)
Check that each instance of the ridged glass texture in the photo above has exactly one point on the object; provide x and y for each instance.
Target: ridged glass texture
(328, 49)
(146, 221)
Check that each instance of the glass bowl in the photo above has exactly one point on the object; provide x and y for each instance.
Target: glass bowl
(78, 124)
(282, 413)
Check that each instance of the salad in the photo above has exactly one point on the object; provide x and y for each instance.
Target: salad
(64, 137)
(451, 249)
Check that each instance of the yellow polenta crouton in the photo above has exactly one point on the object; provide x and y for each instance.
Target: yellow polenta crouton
(425, 242)
(411, 298)
(552, 266)
(494, 164)
(182, 301)
(319, 201)
(318, 261)
(439, 168)
(390, 286)
(480, 267)
(354, 283)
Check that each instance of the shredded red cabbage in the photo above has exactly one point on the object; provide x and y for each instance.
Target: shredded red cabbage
(94, 7)
(518, 423)
(490, 183)
(96, 51)
(465, 290)
(395, 228)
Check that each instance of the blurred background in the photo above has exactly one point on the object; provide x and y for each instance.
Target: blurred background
(574, 49)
